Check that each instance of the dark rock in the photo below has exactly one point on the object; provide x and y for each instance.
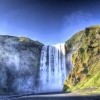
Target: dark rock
(19, 64)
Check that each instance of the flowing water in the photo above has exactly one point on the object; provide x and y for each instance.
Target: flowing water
(20, 73)
(52, 68)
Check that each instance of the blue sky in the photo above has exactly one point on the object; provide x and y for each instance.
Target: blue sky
(48, 21)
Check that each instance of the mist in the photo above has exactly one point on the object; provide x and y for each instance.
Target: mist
(18, 64)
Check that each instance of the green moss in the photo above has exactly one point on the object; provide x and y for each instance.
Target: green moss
(23, 39)
(85, 75)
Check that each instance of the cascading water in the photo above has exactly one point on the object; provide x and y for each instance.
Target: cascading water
(20, 71)
(52, 68)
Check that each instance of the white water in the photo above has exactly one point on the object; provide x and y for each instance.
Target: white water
(52, 68)
(18, 70)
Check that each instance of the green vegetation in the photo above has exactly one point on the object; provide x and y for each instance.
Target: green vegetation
(85, 75)
(23, 39)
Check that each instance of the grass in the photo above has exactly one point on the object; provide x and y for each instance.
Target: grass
(86, 62)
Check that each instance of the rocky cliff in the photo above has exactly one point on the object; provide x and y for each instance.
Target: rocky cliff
(19, 64)
(85, 74)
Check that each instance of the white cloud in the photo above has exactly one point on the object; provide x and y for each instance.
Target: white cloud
(77, 21)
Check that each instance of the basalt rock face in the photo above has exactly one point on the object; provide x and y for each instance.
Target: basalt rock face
(85, 74)
(19, 64)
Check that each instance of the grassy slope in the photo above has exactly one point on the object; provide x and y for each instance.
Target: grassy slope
(85, 76)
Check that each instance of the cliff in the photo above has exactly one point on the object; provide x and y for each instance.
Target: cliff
(19, 64)
(85, 74)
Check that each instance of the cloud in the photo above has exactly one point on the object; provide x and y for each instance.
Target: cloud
(77, 21)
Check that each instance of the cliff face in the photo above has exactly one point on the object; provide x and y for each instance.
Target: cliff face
(19, 64)
(85, 74)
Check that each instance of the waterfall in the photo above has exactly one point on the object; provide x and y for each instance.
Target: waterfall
(26, 70)
(52, 68)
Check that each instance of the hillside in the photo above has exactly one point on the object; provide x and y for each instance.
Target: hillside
(19, 64)
(85, 74)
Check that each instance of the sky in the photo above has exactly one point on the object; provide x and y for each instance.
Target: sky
(48, 21)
